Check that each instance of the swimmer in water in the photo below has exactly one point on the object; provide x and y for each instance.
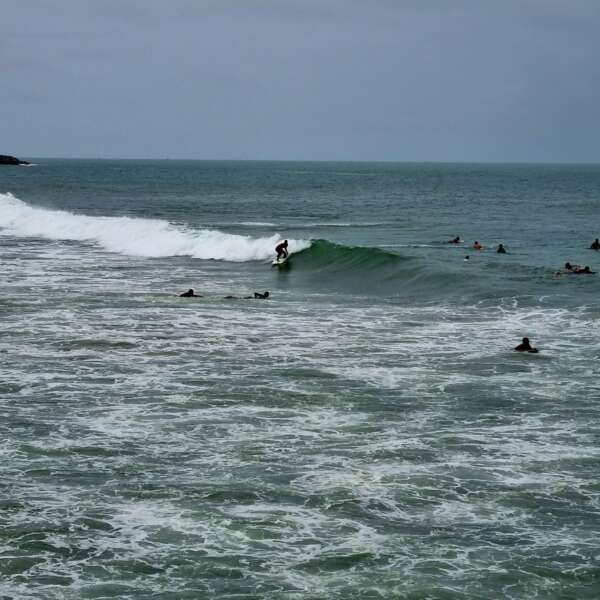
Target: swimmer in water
(477, 246)
(595, 244)
(501, 249)
(584, 271)
(189, 294)
(259, 296)
(456, 240)
(467, 257)
(525, 346)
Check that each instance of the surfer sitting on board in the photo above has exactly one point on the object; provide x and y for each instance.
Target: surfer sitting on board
(281, 250)
(525, 346)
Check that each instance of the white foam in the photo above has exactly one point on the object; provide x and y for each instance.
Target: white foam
(256, 224)
(134, 237)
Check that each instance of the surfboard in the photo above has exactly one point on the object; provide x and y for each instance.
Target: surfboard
(280, 261)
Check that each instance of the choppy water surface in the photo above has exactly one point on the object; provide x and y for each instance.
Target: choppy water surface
(366, 433)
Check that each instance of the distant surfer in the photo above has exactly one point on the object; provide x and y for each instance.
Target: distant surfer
(595, 244)
(257, 296)
(189, 294)
(585, 271)
(568, 268)
(525, 346)
(501, 249)
(467, 257)
(576, 270)
(477, 246)
(455, 240)
(281, 250)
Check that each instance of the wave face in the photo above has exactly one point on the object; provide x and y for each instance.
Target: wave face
(330, 257)
(375, 271)
(135, 237)
(361, 269)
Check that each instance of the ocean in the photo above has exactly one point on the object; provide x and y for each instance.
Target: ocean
(367, 432)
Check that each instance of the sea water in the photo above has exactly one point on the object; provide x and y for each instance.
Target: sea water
(367, 432)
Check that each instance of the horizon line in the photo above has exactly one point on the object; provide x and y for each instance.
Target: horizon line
(312, 160)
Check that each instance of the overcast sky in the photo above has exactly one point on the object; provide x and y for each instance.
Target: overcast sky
(408, 80)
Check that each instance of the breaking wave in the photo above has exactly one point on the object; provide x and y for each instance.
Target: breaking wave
(134, 236)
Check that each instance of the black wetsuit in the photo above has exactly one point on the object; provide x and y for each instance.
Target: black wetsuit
(281, 250)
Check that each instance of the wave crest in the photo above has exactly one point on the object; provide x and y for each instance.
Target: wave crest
(135, 236)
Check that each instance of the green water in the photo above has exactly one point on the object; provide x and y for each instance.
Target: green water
(367, 432)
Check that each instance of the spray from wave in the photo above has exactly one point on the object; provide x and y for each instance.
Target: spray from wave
(134, 237)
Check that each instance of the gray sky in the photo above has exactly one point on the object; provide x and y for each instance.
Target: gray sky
(439, 80)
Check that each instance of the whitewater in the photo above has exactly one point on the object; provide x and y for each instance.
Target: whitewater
(135, 237)
(366, 432)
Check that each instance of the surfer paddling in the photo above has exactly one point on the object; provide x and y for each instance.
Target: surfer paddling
(189, 294)
(585, 271)
(281, 249)
(257, 296)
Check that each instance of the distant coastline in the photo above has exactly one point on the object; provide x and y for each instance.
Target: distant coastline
(7, 159)
(36, 159)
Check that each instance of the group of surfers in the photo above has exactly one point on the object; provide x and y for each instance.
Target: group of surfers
(257, 296)
(282, 252)
(569, 268)
(525, 346)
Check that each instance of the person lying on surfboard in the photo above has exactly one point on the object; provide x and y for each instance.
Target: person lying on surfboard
(189, 294)
(281, 250)
(257, 296)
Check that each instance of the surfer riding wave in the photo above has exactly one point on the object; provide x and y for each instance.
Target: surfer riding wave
(281, 250)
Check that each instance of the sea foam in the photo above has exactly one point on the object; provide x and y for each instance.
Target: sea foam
(134, 236)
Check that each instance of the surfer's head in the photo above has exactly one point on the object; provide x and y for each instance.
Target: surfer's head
(285, 242)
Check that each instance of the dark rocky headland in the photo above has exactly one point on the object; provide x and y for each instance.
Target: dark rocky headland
(11, 160)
